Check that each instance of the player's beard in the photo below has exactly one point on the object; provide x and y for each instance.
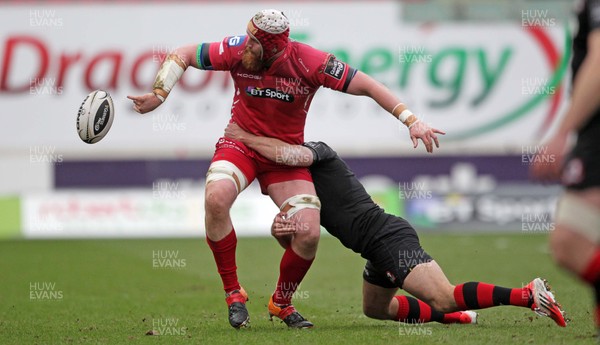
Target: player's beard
(251, 61)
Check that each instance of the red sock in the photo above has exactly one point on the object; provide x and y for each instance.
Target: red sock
(476, 295)
(452, 317)
(292, 270)
(412, 310)
(592, 271)
(592, 276)
(224, 253)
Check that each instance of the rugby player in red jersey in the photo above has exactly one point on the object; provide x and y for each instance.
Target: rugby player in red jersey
(395, 258)
(275, 80)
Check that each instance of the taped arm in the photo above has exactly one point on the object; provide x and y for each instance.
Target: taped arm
(363, 85)
(172, 69)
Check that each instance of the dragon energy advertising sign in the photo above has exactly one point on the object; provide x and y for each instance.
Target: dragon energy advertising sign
(495, 89)
(491, 87)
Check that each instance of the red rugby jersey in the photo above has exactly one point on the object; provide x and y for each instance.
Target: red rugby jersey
(274, 102)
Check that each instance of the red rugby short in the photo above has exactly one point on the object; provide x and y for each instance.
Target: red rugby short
(256, 166)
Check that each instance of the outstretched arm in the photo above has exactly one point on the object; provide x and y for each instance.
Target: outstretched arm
(273, 149)
(363, 85)
(169, 73)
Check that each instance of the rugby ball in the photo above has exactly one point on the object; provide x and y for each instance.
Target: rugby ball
(95, 116)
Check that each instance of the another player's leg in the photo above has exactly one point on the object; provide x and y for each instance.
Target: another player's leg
(408, 266)
(428, 282)
(380, 302)
(224, 181)
(302, 204)
(574, 242)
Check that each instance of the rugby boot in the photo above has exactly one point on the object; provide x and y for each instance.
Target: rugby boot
(468, 317)
(544, 303)
(236, 303)
(288, 314)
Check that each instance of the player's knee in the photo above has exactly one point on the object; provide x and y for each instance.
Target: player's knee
(308, 239)
(443, 304)
(309, 230)
(217, 202)
(442, 299)
(559, 247)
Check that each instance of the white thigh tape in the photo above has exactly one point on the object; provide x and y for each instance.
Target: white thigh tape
(578, 215)
(300, 201)
(224, 170)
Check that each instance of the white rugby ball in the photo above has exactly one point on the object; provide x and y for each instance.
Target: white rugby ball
(95, 116)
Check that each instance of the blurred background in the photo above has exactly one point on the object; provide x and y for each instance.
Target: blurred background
(493, 74)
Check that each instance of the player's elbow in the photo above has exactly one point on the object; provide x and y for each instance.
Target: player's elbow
(187, 54)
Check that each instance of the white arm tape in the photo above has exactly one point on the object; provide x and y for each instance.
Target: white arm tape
(162, 99)
(404, 115)
(169, 73)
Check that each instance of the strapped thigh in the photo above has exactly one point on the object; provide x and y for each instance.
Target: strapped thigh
(300, 201)
(224, 170)
(579, 216)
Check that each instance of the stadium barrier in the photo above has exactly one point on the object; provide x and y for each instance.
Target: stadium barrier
(439, 194)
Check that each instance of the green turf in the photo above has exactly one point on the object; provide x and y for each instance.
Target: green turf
(108, 292)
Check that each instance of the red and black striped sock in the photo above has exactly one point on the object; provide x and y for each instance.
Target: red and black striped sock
(224, 253)
(592, 276)
(412, 310)
(476, 295)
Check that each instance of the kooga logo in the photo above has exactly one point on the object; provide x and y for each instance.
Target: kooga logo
(269, 93)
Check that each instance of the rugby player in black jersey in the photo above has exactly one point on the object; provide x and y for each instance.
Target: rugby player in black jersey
(390, 244)
(574, 241)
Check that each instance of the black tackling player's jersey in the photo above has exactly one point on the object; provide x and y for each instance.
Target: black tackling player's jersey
(589, 20)
(582, 168)
(347, 210)
(349, 213)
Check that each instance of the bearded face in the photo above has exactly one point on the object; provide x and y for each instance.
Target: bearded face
(251, 58)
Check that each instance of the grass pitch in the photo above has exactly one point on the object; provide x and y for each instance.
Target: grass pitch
(115, 291)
